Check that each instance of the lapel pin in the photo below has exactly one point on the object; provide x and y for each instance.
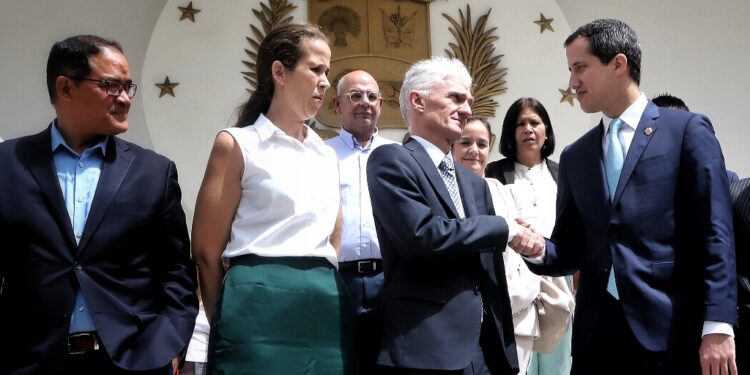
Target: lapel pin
(648, 131)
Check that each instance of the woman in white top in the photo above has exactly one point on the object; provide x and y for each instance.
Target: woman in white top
(268, 208)
(527, 140)
(510, 202)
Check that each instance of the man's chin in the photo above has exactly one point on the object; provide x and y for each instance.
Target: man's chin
(119, 128)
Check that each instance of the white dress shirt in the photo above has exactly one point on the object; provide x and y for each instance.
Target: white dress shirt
(290, 194)
(358, 239)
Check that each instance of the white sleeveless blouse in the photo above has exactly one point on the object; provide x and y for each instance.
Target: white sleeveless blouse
(290, 194)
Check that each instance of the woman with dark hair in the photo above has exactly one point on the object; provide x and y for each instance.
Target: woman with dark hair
(268, 208)
(527, 140)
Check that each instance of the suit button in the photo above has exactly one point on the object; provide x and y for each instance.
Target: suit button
(612, 235)
(77, 266)
(476, 290)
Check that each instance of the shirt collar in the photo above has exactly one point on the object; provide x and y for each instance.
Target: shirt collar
(266, 129)
(58, 140)
(433, 151)
(351, 142)
(632, 115)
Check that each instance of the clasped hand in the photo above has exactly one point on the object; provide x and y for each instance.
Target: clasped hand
(527, 241)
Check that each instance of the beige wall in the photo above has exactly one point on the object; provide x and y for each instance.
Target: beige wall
(695, 49)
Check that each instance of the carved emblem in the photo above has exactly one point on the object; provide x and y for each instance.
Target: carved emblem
(340, 20)
(398, 29)
(382, 37)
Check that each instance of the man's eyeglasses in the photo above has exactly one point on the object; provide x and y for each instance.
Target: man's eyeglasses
(356, 96)
(112, 87)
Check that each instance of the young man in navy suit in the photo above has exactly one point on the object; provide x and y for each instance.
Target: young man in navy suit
(643, 212)
(95, 262)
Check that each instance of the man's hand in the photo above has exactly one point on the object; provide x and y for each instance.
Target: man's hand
(717, 355)
(175, 365)
(527, 242)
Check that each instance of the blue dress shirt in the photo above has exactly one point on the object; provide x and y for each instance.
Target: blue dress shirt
(358, 239)
(78, 176)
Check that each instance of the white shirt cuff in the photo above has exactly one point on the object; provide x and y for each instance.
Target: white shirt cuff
(710, 327)
(537, 260)
(512, 229)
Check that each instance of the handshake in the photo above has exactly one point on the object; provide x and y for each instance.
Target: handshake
(527, 242)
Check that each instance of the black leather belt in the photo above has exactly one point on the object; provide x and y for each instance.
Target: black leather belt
(363, 267)
(81, 343)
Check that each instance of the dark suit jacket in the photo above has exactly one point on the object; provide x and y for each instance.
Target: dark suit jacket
(741, 203)
(504, 170)
(132, 264)
(668, 232)
(435, 264)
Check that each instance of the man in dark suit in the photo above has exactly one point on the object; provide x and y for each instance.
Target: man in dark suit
(95, 261)
(643, 211)
(445, 306)
(741, 203)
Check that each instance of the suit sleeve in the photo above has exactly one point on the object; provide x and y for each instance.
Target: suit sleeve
(178, 275)
(404, 206)
(705, 178)
(568, 233)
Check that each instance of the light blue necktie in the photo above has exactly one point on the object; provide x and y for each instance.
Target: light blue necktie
(613, 166)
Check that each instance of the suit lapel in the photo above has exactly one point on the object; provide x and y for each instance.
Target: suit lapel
(115, 167)
(640, 140)
(38, 156)
(432, 174)
(466, 190)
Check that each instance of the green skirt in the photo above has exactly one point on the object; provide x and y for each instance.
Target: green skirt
(286, 315)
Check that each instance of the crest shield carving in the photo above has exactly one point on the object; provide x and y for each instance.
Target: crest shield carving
(382, 37)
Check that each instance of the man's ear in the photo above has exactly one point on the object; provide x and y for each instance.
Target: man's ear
(337, 104)
(415, 99)
(621, 64)
(63, 87)
(279, 72)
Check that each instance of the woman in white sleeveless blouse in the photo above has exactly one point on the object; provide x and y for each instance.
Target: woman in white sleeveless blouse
(269, 209)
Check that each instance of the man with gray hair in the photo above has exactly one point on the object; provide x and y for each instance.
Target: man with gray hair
(445, 305)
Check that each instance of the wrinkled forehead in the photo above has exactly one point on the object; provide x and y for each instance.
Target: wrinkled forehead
(454, 83)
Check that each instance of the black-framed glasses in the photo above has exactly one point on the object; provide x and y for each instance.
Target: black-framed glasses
(113, 87)
(356, 96)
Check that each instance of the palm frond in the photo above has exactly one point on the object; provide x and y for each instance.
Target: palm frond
(270, 15)
(474, 46)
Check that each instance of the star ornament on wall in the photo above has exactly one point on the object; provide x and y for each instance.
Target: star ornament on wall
(544, 23)
(188, 12)
(167, 87)
(567, 96)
